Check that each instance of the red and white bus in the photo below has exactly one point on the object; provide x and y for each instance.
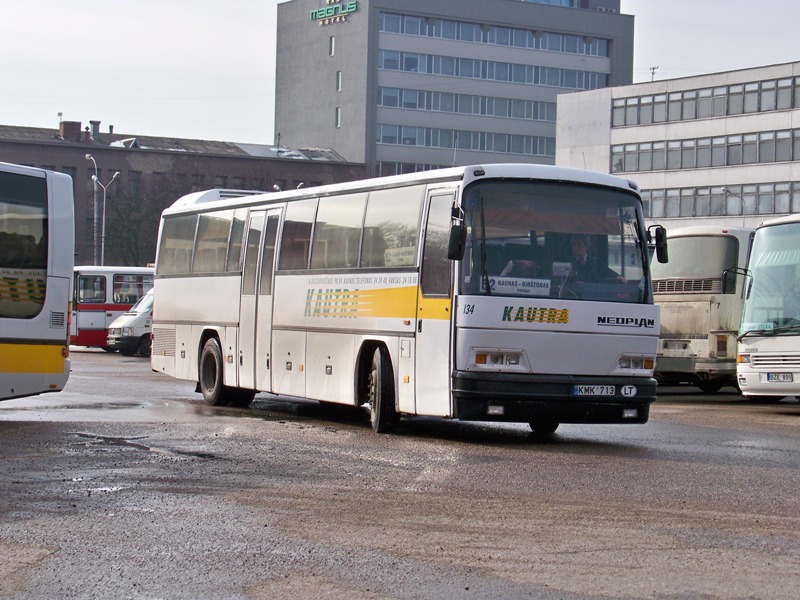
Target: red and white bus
(100, 295)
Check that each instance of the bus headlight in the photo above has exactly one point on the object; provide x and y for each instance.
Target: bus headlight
(127, 331)
(637, 363)
(499, 360)
(743, 359)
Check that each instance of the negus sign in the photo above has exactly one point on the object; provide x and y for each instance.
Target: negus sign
(334, 12)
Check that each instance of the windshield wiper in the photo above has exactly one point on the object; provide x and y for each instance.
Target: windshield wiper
(777, 330)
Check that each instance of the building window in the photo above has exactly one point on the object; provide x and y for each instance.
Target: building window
(338, 81)
(332, 45)
(337, 117)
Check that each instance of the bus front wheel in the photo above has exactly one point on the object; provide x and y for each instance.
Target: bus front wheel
(544, 426)
(382, 414)
(210, 374)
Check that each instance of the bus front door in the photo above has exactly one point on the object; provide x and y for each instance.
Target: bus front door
(433, 313)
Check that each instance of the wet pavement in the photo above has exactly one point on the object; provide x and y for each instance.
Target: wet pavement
(126, 485)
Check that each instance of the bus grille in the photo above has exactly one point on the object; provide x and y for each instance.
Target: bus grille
(163, 342)
(57, 320)
(773, 361)
(687, 286)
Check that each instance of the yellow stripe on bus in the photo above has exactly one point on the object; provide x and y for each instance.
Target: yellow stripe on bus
(384, 303)
(31, 358)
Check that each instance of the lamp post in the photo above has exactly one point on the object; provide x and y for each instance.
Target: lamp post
(103, 234)
(96, 209)
(727, 193)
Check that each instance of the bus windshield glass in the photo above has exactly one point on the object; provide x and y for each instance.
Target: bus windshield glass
(553, 240)
(772, 300)
(717, 252)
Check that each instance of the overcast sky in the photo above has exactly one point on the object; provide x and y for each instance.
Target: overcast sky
(205, 68)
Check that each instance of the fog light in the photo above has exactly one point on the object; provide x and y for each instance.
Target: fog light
(495, 410)
(630, 413)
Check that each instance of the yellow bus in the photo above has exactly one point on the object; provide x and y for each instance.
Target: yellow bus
(37, 245)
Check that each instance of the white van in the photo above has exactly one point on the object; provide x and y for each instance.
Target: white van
(130, 332)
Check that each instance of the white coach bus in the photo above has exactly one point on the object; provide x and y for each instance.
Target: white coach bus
(399, 293)
(768, 362)
(700, 292)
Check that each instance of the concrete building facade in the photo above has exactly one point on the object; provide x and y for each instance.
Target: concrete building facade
(409, 85)
(718, 149)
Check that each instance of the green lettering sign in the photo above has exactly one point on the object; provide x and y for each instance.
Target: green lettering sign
(334, 12)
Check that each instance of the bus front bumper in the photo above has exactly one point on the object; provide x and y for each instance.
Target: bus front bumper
(566, 399)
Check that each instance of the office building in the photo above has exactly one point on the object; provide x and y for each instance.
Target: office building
(409, 85)
(716, 149)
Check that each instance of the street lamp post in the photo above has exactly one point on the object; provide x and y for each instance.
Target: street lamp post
(103, 234)
(96, 209)
(727, 193)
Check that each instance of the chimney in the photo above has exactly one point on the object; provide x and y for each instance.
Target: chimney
(111, 129)
(70, 130)
(95, 129)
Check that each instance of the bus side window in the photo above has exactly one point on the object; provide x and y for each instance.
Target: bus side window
(92, 288)
(435, 264)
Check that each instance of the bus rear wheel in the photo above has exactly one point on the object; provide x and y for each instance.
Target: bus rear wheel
(210, 374)
(544, 426)
(382, 414)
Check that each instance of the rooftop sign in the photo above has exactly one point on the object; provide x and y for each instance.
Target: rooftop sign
(334, 12)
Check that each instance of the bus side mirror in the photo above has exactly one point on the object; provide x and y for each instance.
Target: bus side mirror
(662, 254)
(728, 282)
(458, 241)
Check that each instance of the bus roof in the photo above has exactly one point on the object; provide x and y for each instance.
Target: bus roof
(708, 230)
(112, 269)
(217, 198)
(795, 218)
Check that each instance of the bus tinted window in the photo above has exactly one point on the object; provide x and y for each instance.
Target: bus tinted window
(435, 265)
(337, 233)
(235, 248)
(23, 244)
(92, 288)
(129, 288)
(213, 231)
(296, 238)
(177, 241)
(391, 226)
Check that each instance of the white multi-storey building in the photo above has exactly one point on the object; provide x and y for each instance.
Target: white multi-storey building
(717, 149)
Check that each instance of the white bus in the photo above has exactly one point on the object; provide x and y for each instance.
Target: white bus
(388, 293)
(700, 291)
(37, 245)
(768, 366)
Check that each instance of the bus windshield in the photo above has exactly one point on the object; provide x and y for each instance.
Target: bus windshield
(718, 253)
(553, 240)
(772, 301)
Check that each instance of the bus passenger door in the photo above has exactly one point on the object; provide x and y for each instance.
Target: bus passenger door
(255, 316)
(247, 306)
(432, 372)
(263, 331)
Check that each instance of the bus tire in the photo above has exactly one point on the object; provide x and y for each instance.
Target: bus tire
(145, 346)
(710, 386)
(544, 426)
(210, 374)
(382, 414)
(241, 397)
